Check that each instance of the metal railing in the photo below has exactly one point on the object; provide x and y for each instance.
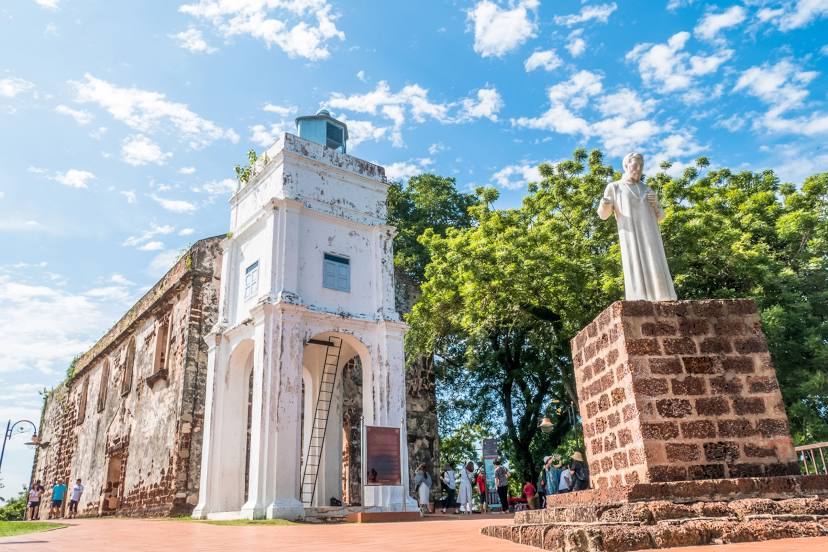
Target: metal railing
(813, 458)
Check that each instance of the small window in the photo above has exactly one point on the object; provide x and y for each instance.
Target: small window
(251, 280)
(82, 402)
(335, 137)
(104, 386)
(129, 368)
(337, 273)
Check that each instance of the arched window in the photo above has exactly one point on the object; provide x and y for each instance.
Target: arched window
(162, 351)
(129, 368)
(104, 386)
(82, 401)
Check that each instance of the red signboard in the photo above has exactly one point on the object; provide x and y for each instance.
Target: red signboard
(382, 456)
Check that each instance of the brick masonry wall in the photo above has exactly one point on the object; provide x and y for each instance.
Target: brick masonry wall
(680, 390)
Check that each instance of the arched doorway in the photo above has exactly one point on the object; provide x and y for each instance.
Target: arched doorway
(332, 410)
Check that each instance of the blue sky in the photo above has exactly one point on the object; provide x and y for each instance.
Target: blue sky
(120, 121)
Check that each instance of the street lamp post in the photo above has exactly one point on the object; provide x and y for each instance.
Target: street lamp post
(9, 434)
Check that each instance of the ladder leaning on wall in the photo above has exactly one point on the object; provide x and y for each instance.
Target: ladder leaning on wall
(327, 382)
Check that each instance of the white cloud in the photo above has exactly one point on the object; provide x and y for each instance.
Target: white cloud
(187, 170)
(129, 195)
(576, 44)
(162, 262)
(13, 86)
(74, 178)
(673, 5)
(34, 339)
(264, 136)
(48, 4)
(186, 232)
(498, 31)
(436, 148)
(363, 131)
(515, 177)
(487, 105)
(147, 111)
(151, 246)
(117, 294)
(625, 102)
(598, 12)
(824, 50)
(710, 25)
(302, 28)
(81, 117)
(280, 110)
(120, 279)
(794, 14)
(546, 59)
(175, 205)
(669, 68)
(217, 187)
(140, 150)
(783, 87)
(147, 235)
(22, 225)
(361, 76)
(404, 170)
(193, 41)
(98, 133)
(413, 101)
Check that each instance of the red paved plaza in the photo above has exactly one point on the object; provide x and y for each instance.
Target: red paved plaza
(432, 535)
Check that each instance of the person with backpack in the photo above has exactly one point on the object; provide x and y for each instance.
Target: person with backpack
(449, 483)
(502, 483)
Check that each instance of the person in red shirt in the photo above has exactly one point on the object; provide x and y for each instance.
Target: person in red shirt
(481, 488)
(530, 493)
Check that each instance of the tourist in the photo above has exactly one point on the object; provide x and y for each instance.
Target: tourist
(481, 488)
(466, 485)
(422, 482)
(502, 483)
(450, 485)
(530, 493)
(553, 473)
(58, 492)
(580, 473)
(34, 500)
(77, 491)
(565, 484)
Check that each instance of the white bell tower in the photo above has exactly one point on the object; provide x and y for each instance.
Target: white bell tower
(307, 286)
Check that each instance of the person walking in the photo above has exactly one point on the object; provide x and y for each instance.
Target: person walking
(34, 500)
(530, 493)
(580, 472)
(502, 483)
(74, 498)
(481, 488)
(58, 493)
(466, 485)
(422, 483)
(450, 484)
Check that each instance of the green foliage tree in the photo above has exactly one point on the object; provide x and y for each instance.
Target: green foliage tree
(15, 509)
(502, 298)
(463, 444)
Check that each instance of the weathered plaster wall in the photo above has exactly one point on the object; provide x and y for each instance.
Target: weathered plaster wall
(150, 424)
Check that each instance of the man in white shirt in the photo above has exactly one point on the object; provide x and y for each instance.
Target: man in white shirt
(77, 491)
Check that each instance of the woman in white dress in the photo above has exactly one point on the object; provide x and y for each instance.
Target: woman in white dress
(466, 488)
(422, 482)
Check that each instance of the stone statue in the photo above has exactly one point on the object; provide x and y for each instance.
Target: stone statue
(637, 213)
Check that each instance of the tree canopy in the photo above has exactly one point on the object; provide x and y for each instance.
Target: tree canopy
(502, 297)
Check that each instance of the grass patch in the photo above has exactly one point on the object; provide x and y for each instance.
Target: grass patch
(11, 528)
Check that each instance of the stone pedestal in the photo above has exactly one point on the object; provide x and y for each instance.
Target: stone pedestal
(686, 437)
(680, 390)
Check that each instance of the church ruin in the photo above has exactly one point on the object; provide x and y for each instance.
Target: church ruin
(238, 386)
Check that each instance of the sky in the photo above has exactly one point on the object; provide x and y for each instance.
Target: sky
(121, 121)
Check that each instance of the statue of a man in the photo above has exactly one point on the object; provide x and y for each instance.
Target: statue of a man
(637, 213)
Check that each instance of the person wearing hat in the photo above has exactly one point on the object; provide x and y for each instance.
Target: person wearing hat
(580, 473)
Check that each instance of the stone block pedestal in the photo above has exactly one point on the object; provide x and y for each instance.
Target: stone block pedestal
(680, 390)
(686, 436)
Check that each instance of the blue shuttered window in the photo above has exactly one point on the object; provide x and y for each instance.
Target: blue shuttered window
(336, 273)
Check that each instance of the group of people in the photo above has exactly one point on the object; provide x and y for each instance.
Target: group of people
(555, 477)
(57, 494)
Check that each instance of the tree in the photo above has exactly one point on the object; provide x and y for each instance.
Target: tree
(15, 509)
(427, 202)
(502, 299)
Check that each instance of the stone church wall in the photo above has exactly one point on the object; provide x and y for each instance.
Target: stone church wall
(138, 438)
